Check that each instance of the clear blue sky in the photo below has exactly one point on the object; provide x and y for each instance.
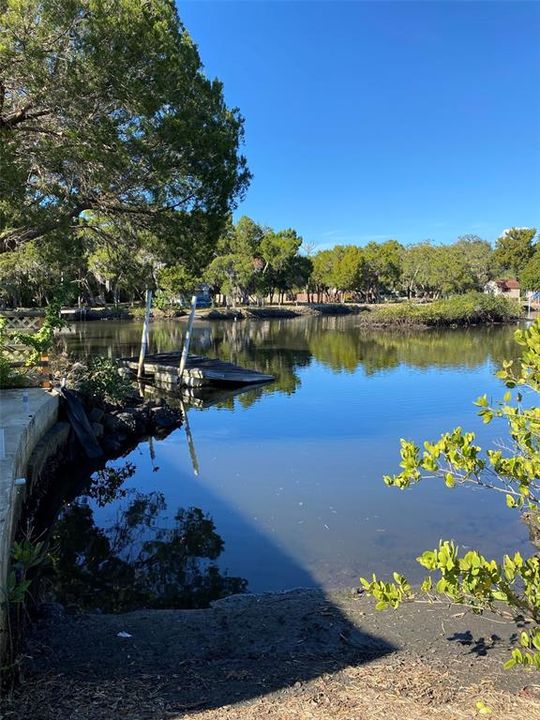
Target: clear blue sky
(371, 120)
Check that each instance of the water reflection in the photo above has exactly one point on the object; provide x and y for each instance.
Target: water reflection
(134, 562)
(282, 348)
(291, 473)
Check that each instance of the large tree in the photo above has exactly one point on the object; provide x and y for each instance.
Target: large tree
(514, 249)
(441, 270)
(530, 275)
(417, 263)
(349, 268)
(104, 107)
(478, 257)
(383, 267)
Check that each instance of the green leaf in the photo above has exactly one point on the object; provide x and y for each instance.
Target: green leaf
(482, 708)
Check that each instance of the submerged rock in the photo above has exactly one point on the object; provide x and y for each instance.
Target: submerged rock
(98, 429)
(96, 414)
(163, 418)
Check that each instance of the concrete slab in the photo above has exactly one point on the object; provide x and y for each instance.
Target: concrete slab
(25, 416)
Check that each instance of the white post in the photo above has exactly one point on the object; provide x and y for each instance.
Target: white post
(144, 336)
(187, 339)
(189, 437)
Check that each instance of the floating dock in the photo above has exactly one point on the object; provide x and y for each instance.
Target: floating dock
(197, 398)
(163, 370)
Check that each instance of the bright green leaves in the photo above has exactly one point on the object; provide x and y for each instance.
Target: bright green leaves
(388, 594)
(482, 708)
(449, 480)
(527, 659)
(512, 566)
(470, 579)
(470, 576)
(513, 502)
(530, 656)
(513, 469)
(454, 457)
(514, 249)
(485, 412)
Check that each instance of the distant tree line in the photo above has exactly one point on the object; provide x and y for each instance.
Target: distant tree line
(256, 264)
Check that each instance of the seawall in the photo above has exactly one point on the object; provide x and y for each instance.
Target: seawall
(22, 425)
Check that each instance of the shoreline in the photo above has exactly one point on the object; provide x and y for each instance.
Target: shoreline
(273, 653)
(375, 316)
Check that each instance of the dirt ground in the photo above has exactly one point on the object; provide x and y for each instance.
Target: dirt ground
(301, 655)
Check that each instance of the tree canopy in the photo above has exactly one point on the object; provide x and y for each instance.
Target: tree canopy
(530, 275)
(514, 249)
(104, 107)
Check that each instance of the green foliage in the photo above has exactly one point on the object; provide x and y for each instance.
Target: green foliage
(40, 342)
(341, 269)
(81, 131)
(440, 270)
(244, 238)
(176, 280)
(514, 249)
(513, 470)
(383, 269)
(25, 555)
(232, 274)
(477, 255)
(529, 277)
(388, 594)
(9, 377)
(101, 380)
(469, 309)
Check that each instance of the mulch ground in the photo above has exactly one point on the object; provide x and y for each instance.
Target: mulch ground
(293, 656)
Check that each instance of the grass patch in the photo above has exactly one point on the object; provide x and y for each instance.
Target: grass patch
(474, 308)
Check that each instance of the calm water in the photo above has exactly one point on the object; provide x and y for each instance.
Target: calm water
(290, 476)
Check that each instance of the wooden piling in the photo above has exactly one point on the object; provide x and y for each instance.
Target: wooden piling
(145, 333)
(187, 339)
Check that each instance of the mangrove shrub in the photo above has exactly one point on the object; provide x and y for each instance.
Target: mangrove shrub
(512, 586)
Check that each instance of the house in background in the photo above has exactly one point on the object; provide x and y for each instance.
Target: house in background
(509, 288)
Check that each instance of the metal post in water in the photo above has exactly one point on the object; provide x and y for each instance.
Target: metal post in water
(187, 339)
(144, 336)
(189, 437)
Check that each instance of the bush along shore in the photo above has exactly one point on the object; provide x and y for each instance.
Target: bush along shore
(460, 310)
(473, 308)
(117, 415)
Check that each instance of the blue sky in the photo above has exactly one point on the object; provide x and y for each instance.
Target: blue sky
(371, 120)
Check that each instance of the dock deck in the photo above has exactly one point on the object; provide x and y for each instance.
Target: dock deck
(199, 371)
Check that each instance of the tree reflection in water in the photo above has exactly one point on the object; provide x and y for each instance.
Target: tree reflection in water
(283, 347)
(136, 564)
